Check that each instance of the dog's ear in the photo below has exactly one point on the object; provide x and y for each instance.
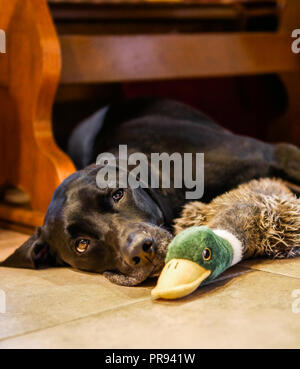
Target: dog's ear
(34, 254)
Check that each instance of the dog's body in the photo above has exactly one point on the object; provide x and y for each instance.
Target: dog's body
(125, 233)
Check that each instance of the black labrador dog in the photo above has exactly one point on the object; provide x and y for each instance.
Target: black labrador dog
(124, 233)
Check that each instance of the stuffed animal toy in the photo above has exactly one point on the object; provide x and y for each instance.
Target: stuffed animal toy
(260, 218)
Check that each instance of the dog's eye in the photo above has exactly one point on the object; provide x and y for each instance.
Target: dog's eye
(82, 245)
(206, 254)
(117, 195)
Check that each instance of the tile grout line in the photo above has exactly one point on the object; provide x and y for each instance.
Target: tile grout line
(275, 273)
(247, 270)
(82, 317)
(71, 321)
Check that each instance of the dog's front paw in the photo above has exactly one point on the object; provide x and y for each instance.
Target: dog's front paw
(122, 279)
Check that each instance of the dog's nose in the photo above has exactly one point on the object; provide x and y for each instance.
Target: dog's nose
(139, 250)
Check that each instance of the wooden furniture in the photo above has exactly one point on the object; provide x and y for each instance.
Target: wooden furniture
(30, 71)
(94, 53)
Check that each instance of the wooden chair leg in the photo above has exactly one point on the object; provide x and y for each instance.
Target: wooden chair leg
(30, 71)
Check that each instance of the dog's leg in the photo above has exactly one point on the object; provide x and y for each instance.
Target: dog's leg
(287, 162)
(123, 280)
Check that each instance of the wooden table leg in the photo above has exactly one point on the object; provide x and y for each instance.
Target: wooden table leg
(29, 75)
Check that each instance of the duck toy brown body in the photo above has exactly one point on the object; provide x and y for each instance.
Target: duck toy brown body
(259, 218)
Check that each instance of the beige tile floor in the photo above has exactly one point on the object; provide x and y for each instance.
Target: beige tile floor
(251, 306)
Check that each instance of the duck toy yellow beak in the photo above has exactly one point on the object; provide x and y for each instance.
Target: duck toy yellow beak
(179, 278)
(195, 256)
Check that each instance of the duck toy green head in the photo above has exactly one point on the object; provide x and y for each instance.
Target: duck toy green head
(195, 256)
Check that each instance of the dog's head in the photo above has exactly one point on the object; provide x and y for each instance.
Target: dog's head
(118, 232)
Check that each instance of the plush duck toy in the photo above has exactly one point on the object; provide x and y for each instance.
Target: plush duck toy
(260, 218)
